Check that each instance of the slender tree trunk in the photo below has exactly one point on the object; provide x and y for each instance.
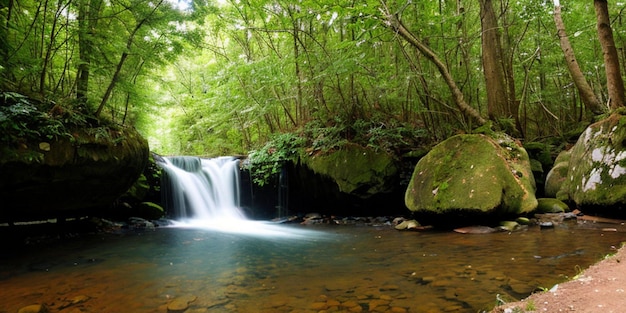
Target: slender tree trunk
(120, 64)
(584, 89)
(88, 15)
(6, 72)
(392, 21)
(498, 98)
(614, 81)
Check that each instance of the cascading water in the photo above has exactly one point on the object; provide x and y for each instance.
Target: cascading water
(202, 189)
(204, 193)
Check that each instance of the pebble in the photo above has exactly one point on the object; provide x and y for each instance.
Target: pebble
(180, 304)
(34, 308)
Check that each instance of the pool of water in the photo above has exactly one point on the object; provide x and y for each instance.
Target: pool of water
(300, 268)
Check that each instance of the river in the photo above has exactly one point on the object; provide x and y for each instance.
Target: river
(299, 268)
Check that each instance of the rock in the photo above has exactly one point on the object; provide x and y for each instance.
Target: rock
(551, 205)
(475, 230)
(34, 308)
(471, 175)
(409, 224)
(150, 210)
(596, 179)
(76, 175)
(357, 170)
(523, 220)
(44, 146)
(509, 225)
(180, 304)
(557, 175)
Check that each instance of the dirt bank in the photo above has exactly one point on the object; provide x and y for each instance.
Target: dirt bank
(600, 288)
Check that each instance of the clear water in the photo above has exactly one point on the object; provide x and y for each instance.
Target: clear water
(299, 268)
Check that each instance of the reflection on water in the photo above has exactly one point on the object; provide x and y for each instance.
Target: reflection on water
(334, 268)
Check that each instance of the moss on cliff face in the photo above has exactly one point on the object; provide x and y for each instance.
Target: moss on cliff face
(356, 170)
(473, 173)
(65, 176)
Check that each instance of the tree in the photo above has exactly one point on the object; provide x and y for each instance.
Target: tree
(392, 21)
(584, 89)
(88, 17)
(500, 92)
(614, 81)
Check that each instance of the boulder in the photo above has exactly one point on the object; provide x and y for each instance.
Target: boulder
(596, 176)
(556, 176)
(551, 205)
(356, 170)
(472, 175)
(71, 175)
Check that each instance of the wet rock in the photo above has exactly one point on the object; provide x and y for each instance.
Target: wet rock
(180, 304)
(409, 224)
(551, 205)
(475, 230)
(377, 304)
(319, 306)
(509, 225)
(34, 308)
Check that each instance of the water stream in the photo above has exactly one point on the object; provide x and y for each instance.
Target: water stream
(237, 265)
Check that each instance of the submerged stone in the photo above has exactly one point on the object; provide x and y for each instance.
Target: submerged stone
(472, 175)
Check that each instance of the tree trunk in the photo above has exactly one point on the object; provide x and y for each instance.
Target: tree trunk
(584, 89)
(88, 12)
(498, 99)
(392, 21)
(614, 81)
(6, 72)
(120, 64)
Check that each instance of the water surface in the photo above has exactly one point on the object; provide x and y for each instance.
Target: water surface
(334, 267)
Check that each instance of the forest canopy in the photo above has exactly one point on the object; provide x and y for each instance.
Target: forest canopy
(233, 76)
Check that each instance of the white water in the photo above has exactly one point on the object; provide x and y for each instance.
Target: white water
(204, 193)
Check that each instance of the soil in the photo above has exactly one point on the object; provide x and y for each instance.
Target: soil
(600, 288)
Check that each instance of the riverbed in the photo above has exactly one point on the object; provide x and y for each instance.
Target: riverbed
(299, 268)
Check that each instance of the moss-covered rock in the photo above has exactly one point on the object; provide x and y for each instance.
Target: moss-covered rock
(556, 176)
(357, 170)
(596, 177)
(551, 205)
(468, 174)
(150, 210)
(69, 176)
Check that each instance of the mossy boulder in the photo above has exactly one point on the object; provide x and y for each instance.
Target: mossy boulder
(356, 170)
(150, 210)
(472, 174)
(556, 176)
(70, 175)
(596, 177)
(551, 205)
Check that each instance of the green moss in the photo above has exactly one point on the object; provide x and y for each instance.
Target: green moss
(596, 175)
(473, 172)
(355, 169)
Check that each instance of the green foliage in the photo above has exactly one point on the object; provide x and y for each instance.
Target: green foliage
(268, 160)
(21, 120)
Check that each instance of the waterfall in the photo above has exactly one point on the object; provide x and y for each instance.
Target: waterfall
(204, 193)
(201, 189)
